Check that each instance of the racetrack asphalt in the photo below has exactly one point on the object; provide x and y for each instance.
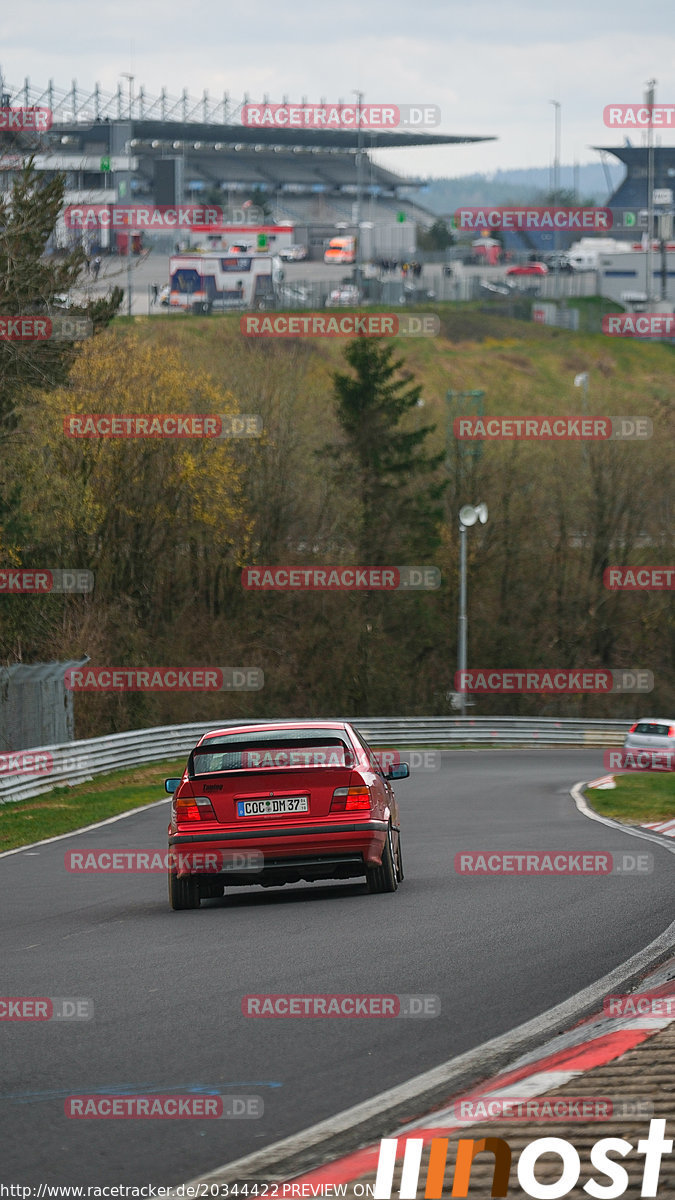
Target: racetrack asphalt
(167, 987)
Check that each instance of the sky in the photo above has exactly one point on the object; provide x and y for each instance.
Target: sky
(491, 66)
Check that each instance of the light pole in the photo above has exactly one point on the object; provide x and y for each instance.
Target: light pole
(556, 151)
(468, 515)
(556, 188)
(665, 234)
(126, 75)
(649, 101)
(359, 186)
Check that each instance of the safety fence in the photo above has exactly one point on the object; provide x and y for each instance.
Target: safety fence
(32, 772)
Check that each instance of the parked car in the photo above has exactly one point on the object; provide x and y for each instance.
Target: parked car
(294, 253)
(499, 289)
(534, 268)
(651, 733)
(559, 261)
(295, 296)
(346, 295)
(281, 803)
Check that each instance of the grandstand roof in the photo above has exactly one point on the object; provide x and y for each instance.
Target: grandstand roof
(167, 116)
(346, 139)
(636, 155)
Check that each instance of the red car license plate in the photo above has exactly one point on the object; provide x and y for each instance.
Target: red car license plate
(273, 806)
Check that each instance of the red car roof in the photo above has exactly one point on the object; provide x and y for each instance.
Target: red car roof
(254, 728)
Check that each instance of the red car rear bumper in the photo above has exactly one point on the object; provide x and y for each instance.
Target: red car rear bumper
(320, 848)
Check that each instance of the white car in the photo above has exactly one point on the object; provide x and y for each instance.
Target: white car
(651, 733)
(296, 297)
(295, 253)
(347, 295)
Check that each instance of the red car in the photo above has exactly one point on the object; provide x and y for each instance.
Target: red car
(535, 268)
(279, 803)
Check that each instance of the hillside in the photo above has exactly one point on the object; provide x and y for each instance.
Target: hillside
(166, 526)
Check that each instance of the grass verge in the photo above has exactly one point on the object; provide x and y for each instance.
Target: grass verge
(636, 798)
(67, 808)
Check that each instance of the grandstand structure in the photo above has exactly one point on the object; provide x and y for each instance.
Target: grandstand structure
(632, 193)
(166, 149)
(629, 202)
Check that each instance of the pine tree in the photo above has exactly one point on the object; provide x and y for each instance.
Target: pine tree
(395, 479)
(29, 282)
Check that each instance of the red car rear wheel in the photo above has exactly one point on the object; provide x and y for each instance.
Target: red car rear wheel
(184, 892)
(384, 878)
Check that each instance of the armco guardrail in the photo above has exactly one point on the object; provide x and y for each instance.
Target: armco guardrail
(76, 762)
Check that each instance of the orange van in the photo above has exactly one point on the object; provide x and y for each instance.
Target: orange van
(340, 250)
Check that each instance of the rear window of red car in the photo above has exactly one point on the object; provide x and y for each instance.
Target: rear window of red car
(273, 750)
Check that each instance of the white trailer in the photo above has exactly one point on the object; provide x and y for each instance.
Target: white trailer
(200, 283)
(585, 254)
(259, 239)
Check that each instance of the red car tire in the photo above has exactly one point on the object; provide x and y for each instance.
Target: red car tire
(184, 892)
(385, 877)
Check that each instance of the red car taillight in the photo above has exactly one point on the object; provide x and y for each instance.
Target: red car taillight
(634, 727)
(193, 808)
(349, 799)
(671, 731)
